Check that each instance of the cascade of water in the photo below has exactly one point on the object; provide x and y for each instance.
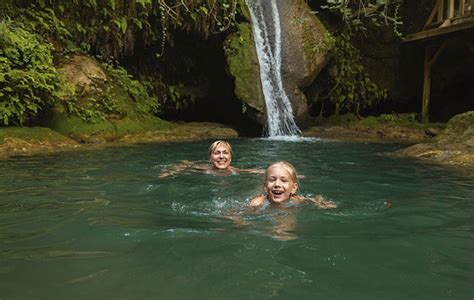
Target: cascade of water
(267, 35)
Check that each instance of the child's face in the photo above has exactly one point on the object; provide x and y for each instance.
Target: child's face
(278, 184)
(221, 157)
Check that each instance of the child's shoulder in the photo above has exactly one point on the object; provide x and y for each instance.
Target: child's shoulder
(257, 201)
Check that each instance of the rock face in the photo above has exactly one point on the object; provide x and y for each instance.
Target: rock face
(242, 63)
(454, 146)
(90, 87)
(305, 44)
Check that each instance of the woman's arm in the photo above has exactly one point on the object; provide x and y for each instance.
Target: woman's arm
(182, 166)
(251, 171)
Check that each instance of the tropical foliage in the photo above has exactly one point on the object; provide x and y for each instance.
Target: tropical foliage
(349, 87)
(28, 79)
(108, 29)
(112, 28)
(357, 14)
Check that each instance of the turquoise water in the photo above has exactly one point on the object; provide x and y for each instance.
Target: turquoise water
(103, 225)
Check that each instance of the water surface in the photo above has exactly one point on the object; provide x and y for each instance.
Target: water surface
(103, 225)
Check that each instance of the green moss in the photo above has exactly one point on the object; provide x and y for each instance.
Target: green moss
(137, 126)
(344, 119)
(104, 130)
(80, 130)
(243, 65)
(244, 10)
(396, 120)
(31, 133)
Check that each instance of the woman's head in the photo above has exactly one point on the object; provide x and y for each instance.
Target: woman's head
(280, 181)
(220, 155)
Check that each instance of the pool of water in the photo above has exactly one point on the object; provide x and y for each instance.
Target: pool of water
(103, 225)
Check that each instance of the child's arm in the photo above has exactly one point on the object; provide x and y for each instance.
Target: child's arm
(256, 202)
(323, 203)
(318, 200)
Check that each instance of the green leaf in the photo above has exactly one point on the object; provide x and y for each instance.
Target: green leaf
(204, 10)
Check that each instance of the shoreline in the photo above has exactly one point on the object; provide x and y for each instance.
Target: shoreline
(42, 140)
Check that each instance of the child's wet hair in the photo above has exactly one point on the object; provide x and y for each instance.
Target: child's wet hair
(287, 166)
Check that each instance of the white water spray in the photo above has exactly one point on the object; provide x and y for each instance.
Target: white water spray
(267, 35)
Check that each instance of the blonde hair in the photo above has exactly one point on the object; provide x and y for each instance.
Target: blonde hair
(216, 144)
(287, 166)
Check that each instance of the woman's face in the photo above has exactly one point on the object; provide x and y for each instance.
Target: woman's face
(279, 184)
(221, 157)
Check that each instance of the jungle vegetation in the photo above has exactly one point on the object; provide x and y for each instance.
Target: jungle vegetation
(35, 34)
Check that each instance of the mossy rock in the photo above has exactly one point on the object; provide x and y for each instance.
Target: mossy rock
(242, 62)
(41, 134)
(460, 129)
(80, 130)
(99, 108)
(32, 140)
(104, 130)
(132, 126)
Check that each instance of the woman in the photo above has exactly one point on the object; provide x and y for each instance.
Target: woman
(220, 158)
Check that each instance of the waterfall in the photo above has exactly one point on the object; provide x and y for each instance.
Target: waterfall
(267, 35)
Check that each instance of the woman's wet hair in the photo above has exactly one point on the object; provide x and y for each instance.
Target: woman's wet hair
(287, 166)
(217, 144)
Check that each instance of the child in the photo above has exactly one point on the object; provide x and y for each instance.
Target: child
(280, 187)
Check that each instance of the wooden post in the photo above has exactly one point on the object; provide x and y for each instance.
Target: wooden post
(440, 11)
(425, 114)
(461, 8)
(450, 9)
(432, 15)
(429, 62)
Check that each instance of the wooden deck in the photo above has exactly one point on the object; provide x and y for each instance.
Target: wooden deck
(447, 16)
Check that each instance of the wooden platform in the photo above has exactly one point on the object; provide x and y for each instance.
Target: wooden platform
(447, 16)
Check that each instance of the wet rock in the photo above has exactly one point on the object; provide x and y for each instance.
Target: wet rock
(305, 47)
(92, 87)
(453, 146)
(242, 63)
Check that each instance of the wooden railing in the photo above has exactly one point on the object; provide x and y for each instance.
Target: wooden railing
(447, 12)
(447, 16)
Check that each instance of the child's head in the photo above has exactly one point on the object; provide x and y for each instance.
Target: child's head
(220, 155)
(280, 181)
